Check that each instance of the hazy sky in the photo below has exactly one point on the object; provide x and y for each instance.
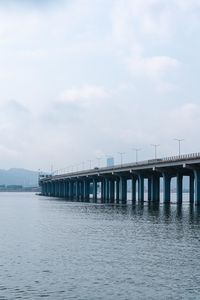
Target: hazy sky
(85, 78)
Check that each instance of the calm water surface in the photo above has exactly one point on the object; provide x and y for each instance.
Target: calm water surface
(62, 250)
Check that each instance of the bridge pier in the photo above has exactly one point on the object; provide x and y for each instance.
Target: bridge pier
(86, 190)
(133, 190)
(71, 190)
(191, 188)
(117, 191)
(107, 192)
(123, 190)
(155, 188)
(112, 191)
(149, 189)
(141, 188)
(197, 186)
(77, 190)
(102, 190)
(179, 188)
(94, 190)
(166, 187)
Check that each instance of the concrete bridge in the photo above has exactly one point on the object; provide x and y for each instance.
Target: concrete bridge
(111, 182)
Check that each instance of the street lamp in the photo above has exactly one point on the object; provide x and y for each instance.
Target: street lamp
(155, 149)
(83, 165)
(90, 163)
(179, 145)
(136, 153)
(121, 156)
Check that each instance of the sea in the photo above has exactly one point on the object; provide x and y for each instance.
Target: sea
(57, 249)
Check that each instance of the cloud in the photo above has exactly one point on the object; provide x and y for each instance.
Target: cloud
(86, 94)
(153, 68)
(16, 107)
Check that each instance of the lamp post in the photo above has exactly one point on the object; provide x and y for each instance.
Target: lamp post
(179, 145)
(121, 157)
(90, 163)
(136, 153)
(155, 149)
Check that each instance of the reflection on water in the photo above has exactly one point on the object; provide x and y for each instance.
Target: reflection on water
(62, 250)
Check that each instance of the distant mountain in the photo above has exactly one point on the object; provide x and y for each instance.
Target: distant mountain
(22, 177)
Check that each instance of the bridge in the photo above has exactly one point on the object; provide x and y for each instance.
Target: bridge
(109, 184)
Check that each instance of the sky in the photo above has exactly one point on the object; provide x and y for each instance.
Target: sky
(81, 79)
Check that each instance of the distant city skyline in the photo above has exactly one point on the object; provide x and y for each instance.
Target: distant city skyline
(81, 79)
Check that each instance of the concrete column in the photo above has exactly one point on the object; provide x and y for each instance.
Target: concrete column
(71, 190)
(94, 189)
(67, 190)
(56, 188)
(43, 188)
(179, 188)
(112, 191)
(166, 188)
(49, 191)
(46, 192)
(77, 190)
(149, 189)
(59, 188)
(133, 183)
(63, 189)
(82, 190)
(155, 188)
(197, 186)
(107, 190)
(191, 188)
(86, 190)
(123, 190)
(141, 188)
(103, 190)
(53, 189)
(117, 190)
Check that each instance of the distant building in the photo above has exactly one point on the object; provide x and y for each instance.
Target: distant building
(110, 161)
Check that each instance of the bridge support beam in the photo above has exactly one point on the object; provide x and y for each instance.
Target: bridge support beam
(71, 190)
(133, 191)
(94, 189)
(155, 188)
(166, 188)
(86, 190)
(107, 190)
(191, 188)
(112, 191)
(77, 190)
(67, 190)
(197, 186)
(141, 188)
(102, 191)
(123, 190)
(56, 188)
(117, 191)
(61, 188)
(179, 188)
(149, 189)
